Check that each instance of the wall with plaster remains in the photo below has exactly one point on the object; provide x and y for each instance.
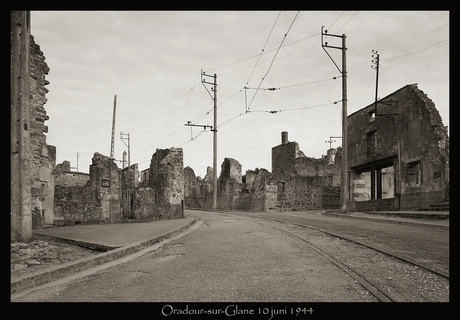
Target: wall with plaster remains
(411, 148)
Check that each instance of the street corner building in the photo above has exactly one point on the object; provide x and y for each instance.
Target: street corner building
(398, 154)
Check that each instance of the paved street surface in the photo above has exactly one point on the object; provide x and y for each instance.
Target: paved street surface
(236, 257)
(423, 244)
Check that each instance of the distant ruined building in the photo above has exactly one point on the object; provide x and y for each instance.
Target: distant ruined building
(296, 183)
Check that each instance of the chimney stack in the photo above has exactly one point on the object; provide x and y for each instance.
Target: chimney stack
(284, 137)
(124, 160)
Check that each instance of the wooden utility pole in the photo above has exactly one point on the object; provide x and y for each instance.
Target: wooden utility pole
(112, 145)
(344, 171)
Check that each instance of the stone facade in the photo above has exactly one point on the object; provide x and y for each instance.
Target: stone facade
(296, 183)
(400, 152)
(167, 180)
(305, 183)
(112, 195)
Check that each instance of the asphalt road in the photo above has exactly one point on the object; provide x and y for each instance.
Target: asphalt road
(235, 257)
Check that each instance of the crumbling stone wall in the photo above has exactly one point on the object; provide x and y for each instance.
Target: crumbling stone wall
(73, 205)
(63, 177)
(412, 137)
(229, 184)
(305, 183)
(263, 190)
(167, 181)
(43, 156)
(300, 193)
(112, 195)
(105, 177)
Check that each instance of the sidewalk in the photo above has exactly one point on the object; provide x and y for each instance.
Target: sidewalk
(434, 219)
(119, 240)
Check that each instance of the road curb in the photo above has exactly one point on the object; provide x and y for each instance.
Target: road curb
(69, 268)
(427, 225)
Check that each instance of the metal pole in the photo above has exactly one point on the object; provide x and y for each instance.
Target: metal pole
(214, 162)
(344, 178)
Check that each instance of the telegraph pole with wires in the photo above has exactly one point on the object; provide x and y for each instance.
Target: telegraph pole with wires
(214, 160)
(344, 174)
(375, 66)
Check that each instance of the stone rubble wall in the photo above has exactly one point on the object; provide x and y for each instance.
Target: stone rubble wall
(43, 156)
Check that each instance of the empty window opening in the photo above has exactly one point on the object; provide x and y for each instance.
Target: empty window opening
(371, 144)
(415, 173)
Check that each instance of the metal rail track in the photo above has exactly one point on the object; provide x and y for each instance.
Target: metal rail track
(375, 290)
(392, 254)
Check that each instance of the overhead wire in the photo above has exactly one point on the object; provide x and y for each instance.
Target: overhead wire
(429, 48)
(290, 54)
(145, 119)
(274, 58)
(295, 85)
(346, 22)
(414, 38)
(263, 48)
(175, 51)
(288, 44)
(182, 127)
(276, 53)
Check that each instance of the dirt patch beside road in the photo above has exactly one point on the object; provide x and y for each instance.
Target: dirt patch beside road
(43, 253)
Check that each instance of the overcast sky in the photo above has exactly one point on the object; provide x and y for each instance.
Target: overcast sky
(152, 61)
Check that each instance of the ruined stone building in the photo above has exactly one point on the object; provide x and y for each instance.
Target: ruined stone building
(305, 183)
(113, 195)
(295, 183)
(398, 153)
(32, 159)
